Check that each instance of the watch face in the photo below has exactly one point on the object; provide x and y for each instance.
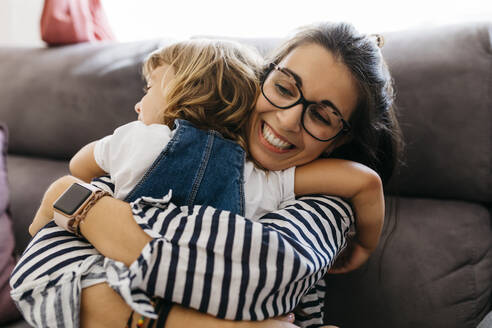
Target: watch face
(71, 200)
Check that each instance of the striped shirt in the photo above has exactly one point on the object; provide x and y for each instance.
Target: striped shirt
(210, 260)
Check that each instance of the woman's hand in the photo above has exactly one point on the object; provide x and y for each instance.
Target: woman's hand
(290, 317)
(45, 211)
(42, 217)
(351, 258)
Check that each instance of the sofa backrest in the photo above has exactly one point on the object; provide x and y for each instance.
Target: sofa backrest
(443, 80)
(55, 100)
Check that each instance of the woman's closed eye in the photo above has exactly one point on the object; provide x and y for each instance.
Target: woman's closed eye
(320, 115)
(146, 88)
(283, 91)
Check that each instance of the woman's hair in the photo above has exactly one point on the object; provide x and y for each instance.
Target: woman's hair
(375, 133)
(215, 87)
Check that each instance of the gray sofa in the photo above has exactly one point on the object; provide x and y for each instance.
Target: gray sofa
(434, 266)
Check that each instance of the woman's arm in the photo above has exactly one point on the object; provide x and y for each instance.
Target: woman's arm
(184, 317)
(102, 306)
(353, 181)
(44, 213)
(234, 268)
(220, 263)
(83, 165)
(124, 238)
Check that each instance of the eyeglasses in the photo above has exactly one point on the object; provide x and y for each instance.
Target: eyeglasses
(322, 121)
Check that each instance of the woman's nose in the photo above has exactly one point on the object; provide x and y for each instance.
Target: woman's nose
(137, 107)
(290, 118)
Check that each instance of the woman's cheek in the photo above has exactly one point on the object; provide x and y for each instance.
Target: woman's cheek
(262, 105)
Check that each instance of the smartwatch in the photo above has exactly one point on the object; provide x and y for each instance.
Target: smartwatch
(72, 206)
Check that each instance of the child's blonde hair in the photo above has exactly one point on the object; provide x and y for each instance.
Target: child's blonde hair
(216, 85)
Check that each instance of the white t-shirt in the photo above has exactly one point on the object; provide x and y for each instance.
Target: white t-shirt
(130, 151)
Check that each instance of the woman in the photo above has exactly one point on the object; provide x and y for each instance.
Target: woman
(329, 62)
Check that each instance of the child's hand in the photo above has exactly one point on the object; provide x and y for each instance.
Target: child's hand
(352, 257)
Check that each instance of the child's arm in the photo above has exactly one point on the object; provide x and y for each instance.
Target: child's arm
(83, 164)
(356, 182)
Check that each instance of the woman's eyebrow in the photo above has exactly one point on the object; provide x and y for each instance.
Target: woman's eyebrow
(295, 76)
(332, 105)
(299, 83)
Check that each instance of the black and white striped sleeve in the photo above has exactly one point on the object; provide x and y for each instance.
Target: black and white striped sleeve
(310, 311)
(232, 267)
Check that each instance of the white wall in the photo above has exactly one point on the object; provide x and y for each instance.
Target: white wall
(19, 22)
(134, 20)
(143, 19)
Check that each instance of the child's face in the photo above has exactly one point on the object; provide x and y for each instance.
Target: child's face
(152, 103)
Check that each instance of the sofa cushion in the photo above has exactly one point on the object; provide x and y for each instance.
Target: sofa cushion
(85, 85)
(444, 89)
(434, 270)
(8, 311)
(32, 177)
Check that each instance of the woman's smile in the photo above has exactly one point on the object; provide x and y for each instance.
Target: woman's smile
(272, 140)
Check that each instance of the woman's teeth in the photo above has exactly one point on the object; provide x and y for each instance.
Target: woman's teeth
(273, 140)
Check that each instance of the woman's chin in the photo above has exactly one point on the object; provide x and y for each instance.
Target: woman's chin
(269, 163)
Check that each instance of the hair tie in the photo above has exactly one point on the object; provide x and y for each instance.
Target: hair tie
(378, 39)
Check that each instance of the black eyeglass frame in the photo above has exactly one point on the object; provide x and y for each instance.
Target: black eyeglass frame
(305, 103)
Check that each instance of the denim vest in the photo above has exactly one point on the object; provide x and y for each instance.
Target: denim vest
(201, 168)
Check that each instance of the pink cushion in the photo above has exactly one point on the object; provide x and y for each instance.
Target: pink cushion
(74, 21)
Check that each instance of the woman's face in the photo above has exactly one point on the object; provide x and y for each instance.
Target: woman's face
(149, 108)
(276, 138)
